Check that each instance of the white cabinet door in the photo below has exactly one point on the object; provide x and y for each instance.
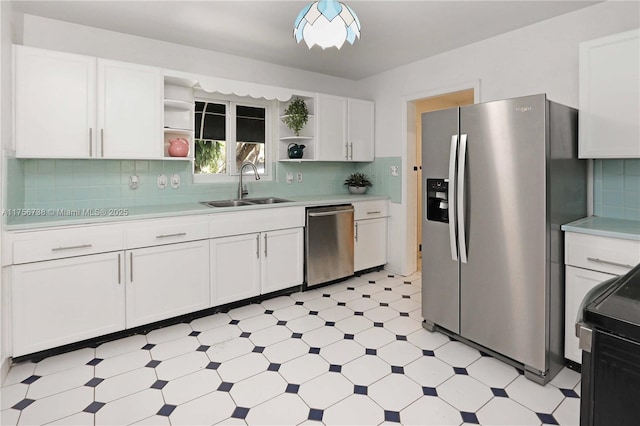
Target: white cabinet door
(129, 110)
(67, 300)
(166, 281)
(331, 125)
(235, 268)
(282, 259)
(578, 283)
(360, 130)
(610, 97)
(370, 247)
(54, 104)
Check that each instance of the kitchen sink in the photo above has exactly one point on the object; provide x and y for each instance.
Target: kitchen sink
(244, 202)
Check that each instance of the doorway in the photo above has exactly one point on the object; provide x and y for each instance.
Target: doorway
(428, 104)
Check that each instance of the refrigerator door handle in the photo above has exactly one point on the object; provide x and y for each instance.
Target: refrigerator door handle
(462, 158)
(451, 197)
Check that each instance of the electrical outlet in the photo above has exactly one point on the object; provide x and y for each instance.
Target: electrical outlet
(175, 181)
(394, 171)
(299, 177)
(133, 182)
(162, 181)
(289, 177)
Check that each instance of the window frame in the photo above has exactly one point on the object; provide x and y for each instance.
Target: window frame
(270, 151)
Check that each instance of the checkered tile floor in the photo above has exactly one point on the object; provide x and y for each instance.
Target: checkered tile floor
(353, 353)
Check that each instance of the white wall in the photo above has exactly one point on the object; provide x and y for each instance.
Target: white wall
(541, 58)
(57, 35)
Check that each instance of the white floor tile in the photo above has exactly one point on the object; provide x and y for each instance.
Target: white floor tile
(342, 351)
(122, 363)
(121, 346)
(277, 303)
(375, 337)
(403, 325)
(354, 324)
(457, 354)
(258, 389)
(492, 372)
(322, 336)
(182, 365)
(153, 421)
(386, 296)
(430, 410)
(304, 368)
(568, 412)
(224, 351)
(504, 411)
(428, 340)
(362, 304)
(219, 334)
(211, 321)
(257, 322)
(57, 406)
(566, 379)
(405, 305)
(206, 410)
(286, 350)
(125, 384)
(395, 392)
(60, 382)
(64, 361)
(464, 393)
(381, 314)
(19, 372)
(285, 409)
(269, 336)
(541, 399)
(429, 371)
(13, 394)
(335, 313)
(307, 295)
(173, 348)
(131, 408)
(191, 386)
(399, 353)
(171, 332)
(78, 419)
(242, 367)
(369, 289)
(290, 312)
(355, 410)
(325, 390)
(9, 417)
(232, 421)
(366, 370)
(305, 323)
(345, 295)
(320, 303)
(247, 311)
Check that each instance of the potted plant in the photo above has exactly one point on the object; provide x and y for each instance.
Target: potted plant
(357, 183)
(296, 115)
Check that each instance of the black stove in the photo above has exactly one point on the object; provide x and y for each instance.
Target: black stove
(611, 359)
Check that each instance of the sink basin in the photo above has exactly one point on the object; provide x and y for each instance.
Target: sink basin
(226, 203)
(244, 202)
(266, 200)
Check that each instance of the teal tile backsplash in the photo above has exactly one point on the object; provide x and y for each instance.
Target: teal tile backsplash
(77, 184)
(616, 188)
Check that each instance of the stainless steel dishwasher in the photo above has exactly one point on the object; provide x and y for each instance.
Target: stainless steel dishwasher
(328, 244)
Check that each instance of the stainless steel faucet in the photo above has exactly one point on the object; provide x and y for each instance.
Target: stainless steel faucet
(241, 191)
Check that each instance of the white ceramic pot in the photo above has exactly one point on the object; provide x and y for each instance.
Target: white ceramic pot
(357, 189)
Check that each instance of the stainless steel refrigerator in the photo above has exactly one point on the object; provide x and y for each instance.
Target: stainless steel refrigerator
(499, 180)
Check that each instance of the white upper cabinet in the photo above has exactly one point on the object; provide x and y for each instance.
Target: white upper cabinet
(129, 110)
(610, 97)
(73, 106)
(345, 129)
(55, 106)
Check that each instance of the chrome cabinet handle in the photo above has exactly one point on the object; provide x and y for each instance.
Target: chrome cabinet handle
(119, 270)
(331, 213)
(351, 150)
(90, 142)
(131, 266)
(102, 142)
(178, 234)
(265, 245)
(258, 246)
(346, 151)
(608, 262)
(356, 231)
(375, 212)
(81, 246)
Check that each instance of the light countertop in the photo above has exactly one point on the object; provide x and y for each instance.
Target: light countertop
(27, 219)
(605, 227)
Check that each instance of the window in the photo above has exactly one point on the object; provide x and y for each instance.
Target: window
(228, 132)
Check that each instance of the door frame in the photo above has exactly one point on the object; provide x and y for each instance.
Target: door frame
(409, 262)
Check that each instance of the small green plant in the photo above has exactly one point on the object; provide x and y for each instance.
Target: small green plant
(296, 115)
(357, 179)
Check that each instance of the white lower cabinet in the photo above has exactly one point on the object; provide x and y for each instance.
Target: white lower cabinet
(370, 249)
(244, 266)
(63, 301)
(166, 281)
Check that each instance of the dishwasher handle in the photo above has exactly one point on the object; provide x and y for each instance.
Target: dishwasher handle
(330, 213)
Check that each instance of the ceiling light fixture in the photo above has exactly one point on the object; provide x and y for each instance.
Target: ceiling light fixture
(327, 23)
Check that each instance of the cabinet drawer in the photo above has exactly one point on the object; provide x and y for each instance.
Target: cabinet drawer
(610, 255)
(166, 231)
(68, 242)
(370, 209)
(260, 220)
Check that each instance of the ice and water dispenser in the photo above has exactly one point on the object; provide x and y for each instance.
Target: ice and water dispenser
(438, 200)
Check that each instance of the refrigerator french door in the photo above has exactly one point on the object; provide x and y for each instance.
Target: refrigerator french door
(490, 274)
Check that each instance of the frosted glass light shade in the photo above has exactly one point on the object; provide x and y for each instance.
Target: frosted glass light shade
(327, 23)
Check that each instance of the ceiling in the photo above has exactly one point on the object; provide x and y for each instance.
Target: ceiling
(394, 33)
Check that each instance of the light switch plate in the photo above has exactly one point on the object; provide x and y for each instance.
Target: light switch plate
(289, 177)
(299, 177)
(175, 181)
(133, 182)
(162, 181)
(393, 170)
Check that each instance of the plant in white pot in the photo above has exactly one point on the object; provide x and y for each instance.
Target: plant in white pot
(357, 183)
(296, 115)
